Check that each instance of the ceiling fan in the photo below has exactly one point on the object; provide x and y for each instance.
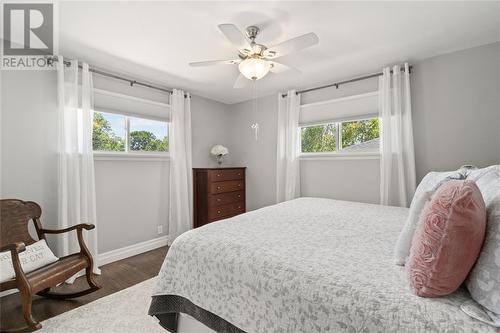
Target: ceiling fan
(256, 60)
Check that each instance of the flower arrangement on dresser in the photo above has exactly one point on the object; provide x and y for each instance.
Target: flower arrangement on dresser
(219, 151)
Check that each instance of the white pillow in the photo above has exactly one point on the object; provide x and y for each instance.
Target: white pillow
(424, 192)
(35, 256)
(484, 279)
(403, 245)
(487, 181)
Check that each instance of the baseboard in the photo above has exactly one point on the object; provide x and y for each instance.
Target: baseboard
(118, 254)
(131, 250)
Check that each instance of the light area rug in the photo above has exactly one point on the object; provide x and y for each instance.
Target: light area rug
(122, 312)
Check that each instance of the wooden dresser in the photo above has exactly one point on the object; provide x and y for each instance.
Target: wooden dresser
(218, 194)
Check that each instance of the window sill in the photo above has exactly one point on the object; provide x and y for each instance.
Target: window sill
(340, 156)
(123, 156)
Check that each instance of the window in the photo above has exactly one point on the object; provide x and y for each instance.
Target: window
(319, 139)
(148, 135)
(108, 132)
(360, 135)
(345, 137)
(120, 133)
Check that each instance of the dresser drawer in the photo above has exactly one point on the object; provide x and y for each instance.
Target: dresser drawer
(226, 198)
(216, 213)
(226, 186)
(225, 174)
(217, 194)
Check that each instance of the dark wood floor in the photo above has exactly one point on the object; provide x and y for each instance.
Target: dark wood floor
(114, 277)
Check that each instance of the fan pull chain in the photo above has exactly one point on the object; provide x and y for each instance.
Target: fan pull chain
(255, 126)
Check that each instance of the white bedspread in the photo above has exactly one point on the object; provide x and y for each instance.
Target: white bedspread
(307, 265)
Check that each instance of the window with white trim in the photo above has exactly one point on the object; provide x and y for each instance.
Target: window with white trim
(351, 136)
(113, 132)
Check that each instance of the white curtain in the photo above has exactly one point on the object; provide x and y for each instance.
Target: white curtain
(397, 164)
(287, 166)
(76, 190)
(180, 216)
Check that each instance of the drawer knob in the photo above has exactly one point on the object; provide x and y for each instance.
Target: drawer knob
(218, 200)
(218, 187)
(239, 195)
(239, 207)
(218, 175)
(239, 174)
(218, 212)
(239, 185)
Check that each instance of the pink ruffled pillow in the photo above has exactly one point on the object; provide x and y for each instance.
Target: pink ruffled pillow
(448, 239)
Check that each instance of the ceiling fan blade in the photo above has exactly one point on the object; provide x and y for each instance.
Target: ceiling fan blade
(214, 62)
(241, 82)
(278, 68)
(235, 36)
(292, 45)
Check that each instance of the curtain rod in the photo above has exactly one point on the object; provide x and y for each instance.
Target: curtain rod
(337, 84)
(132, 82)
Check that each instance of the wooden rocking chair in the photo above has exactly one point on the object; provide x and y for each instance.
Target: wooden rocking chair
(15, 216)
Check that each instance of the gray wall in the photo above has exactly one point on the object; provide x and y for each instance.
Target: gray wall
(356, 178)
(456, 115)
(132, 201)
(258, 156)
(29, 139)
(132, 195)
(456, 109)
(343, 179)
(209, 125)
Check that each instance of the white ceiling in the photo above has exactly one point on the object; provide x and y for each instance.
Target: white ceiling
(155, 41)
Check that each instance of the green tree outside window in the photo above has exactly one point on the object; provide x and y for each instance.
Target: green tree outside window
(318, 139)
(356, 132)
(147, 141)
(103, 137)
(322, 138)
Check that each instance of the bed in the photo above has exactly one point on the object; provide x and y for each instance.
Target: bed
(306, 265)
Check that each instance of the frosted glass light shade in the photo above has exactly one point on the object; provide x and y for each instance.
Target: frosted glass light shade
(254, 68)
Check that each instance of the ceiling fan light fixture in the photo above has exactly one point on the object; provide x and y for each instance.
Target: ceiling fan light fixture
(254, 68)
